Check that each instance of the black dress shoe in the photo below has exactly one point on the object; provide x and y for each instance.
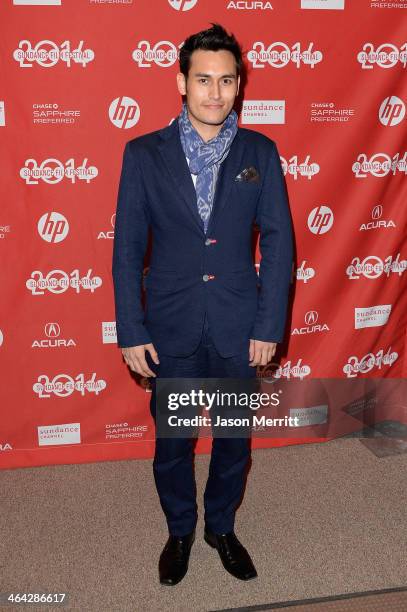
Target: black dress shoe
(235, 558)
(173, 564)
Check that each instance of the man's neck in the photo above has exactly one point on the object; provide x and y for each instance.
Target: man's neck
(205, 130)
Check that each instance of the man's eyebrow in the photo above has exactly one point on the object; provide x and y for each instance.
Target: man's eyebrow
(202, 74)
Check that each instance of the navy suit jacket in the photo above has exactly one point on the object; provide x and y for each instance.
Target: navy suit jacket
(192, 273)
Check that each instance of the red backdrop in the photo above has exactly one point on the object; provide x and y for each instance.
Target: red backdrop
(325, 79)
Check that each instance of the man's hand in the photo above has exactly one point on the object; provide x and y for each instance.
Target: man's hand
(261, 353)
(135, 358)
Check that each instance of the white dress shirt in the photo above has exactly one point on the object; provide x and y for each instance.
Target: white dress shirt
(193, 175)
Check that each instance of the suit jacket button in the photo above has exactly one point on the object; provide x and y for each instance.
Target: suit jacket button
(205, 277)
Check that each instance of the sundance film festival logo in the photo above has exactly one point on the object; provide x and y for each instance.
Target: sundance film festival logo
(305, 274)
(53, 171)
(52, 332)
(279, 55)
(311, 325)
(59, 281)
(377, 222)
(392, 111)
(320, 220)
(368, 362)
(63, 385)
(295, 168)
(182, 5)
(47, 54)
(385, 56)
(372, 267)
(274, 371)
(379, 165)
(124, 112)
(53, 227)
(164, 54)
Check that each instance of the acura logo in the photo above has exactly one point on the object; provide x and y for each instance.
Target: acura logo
(377, 211)
(311, 317)
(52, 330)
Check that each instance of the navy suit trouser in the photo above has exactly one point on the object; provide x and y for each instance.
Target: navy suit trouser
(173, 458)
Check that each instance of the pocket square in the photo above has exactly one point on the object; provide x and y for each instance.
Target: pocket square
(248, 175)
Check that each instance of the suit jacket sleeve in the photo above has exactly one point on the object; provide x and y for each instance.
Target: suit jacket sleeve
(276, 248)
(129, 247)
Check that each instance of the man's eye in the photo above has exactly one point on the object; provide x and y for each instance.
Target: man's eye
(202, 80)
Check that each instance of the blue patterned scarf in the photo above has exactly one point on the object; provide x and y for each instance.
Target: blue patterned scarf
(206, 157)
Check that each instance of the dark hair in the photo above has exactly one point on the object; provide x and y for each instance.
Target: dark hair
(212, 39)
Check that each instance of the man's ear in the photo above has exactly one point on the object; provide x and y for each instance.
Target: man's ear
(238, 85)
(181, 83)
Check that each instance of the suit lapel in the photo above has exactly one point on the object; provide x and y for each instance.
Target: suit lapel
(228, 170)
(173, 155)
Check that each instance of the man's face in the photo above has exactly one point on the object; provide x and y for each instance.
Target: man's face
(211, 87)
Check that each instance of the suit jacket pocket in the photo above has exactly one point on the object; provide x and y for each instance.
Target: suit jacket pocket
(245, 279)
(247, 186)
(168, 281)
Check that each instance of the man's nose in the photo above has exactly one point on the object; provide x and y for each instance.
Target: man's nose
(215, 91)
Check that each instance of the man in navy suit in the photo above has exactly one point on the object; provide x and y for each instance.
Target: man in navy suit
(199, 185)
